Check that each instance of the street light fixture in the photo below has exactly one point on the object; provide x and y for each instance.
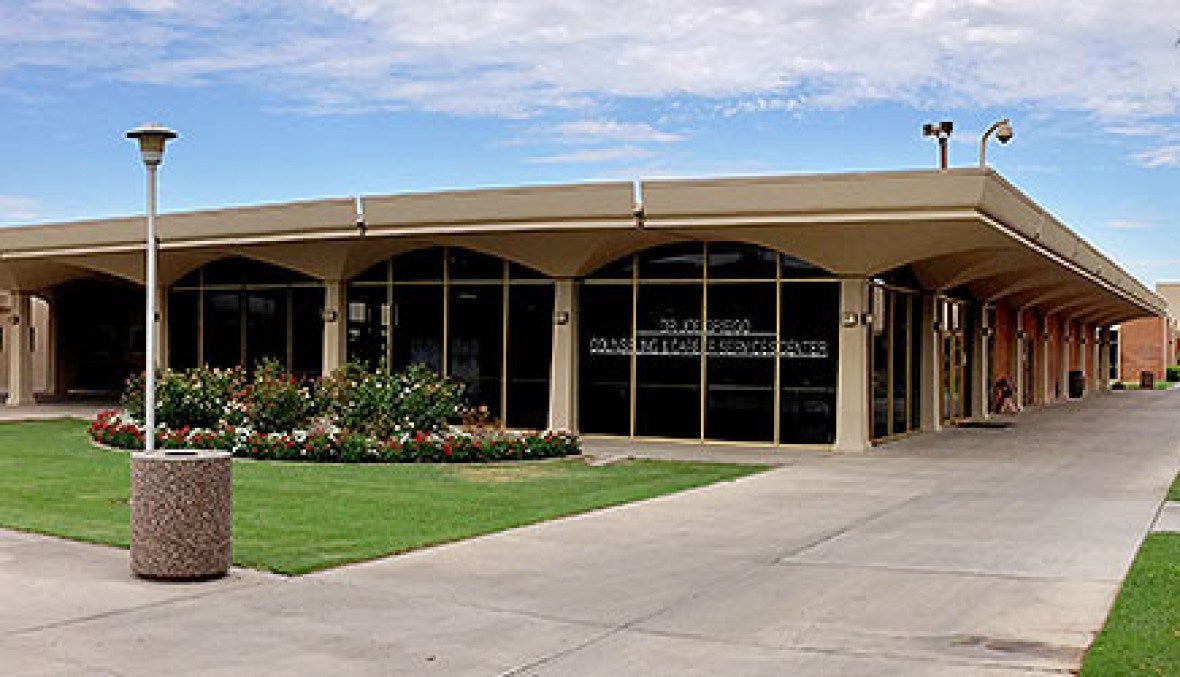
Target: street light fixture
(152, 139)
(1003, 131)
(942, 131)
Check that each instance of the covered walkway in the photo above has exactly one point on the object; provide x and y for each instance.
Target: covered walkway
(976, 552)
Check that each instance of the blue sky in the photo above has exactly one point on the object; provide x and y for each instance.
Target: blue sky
(301, 99)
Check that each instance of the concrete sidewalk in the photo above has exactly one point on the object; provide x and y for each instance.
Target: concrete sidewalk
(973, 552)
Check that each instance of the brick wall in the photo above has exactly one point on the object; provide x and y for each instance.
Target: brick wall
(1141, 348)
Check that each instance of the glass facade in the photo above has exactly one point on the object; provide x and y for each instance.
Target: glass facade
(479, 319)
(896, 364)
(720, 341)
(237, 311)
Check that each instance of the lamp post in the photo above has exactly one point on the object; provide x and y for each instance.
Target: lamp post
(1003, 131)
(942, 131)
(152, 139)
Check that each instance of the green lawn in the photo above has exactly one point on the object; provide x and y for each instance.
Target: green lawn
(1142, 633)
(295, 518)
(1174, 492)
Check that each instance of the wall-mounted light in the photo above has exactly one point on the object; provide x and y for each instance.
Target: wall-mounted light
(1021, 334)
(849, 319)
(989, 332)
(15, 319)
(867, 319)
(329, 314)
(561, 318)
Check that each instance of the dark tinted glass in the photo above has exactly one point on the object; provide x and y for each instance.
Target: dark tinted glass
(916, 391)
(240, 270)
(795, 268)
(519, 272)
(901, 367)
(674, 261)
(622, 268)
(476, 342)
(223, 329)
(810, 354)
(376, 273)
(421, 264)
(468, 265)
(183, 315)
(741, 332)
(417, 326)
(191, 280)
(266, 326)
(100, 334)
(668, 366)
(605, 363)
(881, 366)
(367, 312)
(530, 351)
(731, 260)
(307, 327)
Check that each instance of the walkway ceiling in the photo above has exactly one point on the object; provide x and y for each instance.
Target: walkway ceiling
(958, 228)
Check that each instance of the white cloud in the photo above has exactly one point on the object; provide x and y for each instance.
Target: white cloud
(615, 131)
(18, 208)
(1164, 156)
(593, 156)
(1128, 224)
(1114, 60)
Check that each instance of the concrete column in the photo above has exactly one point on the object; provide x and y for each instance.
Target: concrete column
(162, 358)
(1045, 347)
(563, 372)
(335, 326)
(852, 374)
(1064, 348)
(1104, 358)
(1095, 358)
(983, 386)
(20, 357)
(52, 384)
(931, 367)
(1018, 349)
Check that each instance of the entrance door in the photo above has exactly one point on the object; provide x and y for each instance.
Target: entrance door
(953, 362)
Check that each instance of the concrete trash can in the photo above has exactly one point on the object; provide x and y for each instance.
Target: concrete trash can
(181, 514)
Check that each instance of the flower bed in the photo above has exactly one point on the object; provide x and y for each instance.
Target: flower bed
(114, 429)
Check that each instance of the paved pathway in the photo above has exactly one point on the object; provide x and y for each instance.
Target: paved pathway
(973, 552)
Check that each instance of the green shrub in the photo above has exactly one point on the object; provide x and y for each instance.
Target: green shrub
(381, 404)
(193, 398)
(274, 400)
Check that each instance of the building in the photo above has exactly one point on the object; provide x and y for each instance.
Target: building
(832, 310)
(1150, 344)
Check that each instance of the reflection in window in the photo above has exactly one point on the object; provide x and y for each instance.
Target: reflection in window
(445, 307)
(704, 341)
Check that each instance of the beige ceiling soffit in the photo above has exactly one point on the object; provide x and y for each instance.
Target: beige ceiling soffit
(232, 241)
(811, 218)
(78, 251)
(1067, 264)
(492, 229)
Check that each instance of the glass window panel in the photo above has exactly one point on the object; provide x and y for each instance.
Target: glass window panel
(622, 268)
(241, 270)
(469, 265)
(476, 343)
(900, 322)
(223, 329)
(810, 354)
(732, 260)
(266, 326)
(794, 268)
(183, 314)
(881, 413)
(418, 326)
(740, 364)
(605, 362)
(191, 280)
(917, 392)
(668, 376)
(307, 340)
(100, 334)
(684, 261)
(367, 317)
(376, 273)
(530, 351)
(519, 272)
(421, 264)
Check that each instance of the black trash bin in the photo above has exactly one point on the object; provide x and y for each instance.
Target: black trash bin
(1077, 383)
